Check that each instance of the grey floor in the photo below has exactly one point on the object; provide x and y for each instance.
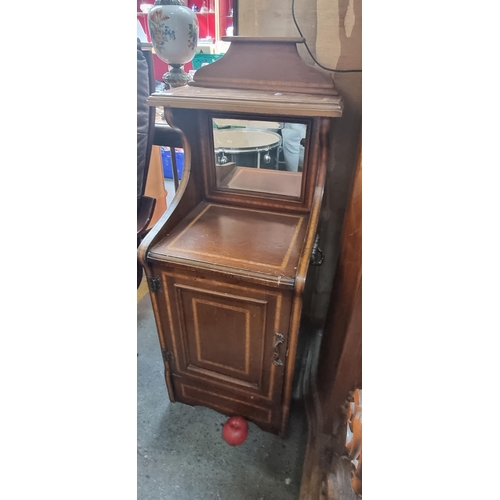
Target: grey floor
(180, 451)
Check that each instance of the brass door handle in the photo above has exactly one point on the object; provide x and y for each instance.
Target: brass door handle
(278, 339)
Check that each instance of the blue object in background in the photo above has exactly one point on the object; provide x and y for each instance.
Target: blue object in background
(167, 162)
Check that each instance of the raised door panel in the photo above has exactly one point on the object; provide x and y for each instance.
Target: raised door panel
(223, 336)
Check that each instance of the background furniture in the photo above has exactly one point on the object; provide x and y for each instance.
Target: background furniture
(332, 465)
(145, 131)
(151, 134)
(227, 265)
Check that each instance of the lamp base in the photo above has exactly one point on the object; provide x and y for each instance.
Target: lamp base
(176, 77)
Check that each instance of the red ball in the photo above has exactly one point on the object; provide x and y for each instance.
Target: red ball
(235, 431)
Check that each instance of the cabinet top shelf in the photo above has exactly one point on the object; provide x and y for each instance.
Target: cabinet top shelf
(248, 101)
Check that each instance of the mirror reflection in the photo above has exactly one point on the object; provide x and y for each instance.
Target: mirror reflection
(259, 156)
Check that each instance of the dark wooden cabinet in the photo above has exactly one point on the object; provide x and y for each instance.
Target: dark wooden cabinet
(220, 340)
(333, 378)
(227, 262)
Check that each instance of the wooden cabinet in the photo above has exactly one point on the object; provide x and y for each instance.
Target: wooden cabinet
(220, 341)
(227, 262)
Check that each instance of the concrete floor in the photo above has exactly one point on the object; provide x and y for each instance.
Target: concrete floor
(181, 454)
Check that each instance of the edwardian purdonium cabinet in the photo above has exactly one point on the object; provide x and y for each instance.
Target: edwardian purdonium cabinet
(227, 262)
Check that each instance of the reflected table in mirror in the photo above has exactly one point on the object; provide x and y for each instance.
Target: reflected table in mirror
(247, 147)
(224, 123)
(243, 148)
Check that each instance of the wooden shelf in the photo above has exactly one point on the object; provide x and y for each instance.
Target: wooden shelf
(256, 101)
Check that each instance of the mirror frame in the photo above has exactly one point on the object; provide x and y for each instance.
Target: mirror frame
(227, 195)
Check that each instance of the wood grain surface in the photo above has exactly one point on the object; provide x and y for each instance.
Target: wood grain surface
(232, 237)
(256, 102)
(277, 66)
(334, 373)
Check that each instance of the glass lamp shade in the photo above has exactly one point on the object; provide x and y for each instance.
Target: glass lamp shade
(174, 35)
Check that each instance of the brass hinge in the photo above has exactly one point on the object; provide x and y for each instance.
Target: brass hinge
(168, 357)
(154, 283)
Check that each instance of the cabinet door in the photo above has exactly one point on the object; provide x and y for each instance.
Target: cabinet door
(228, 344)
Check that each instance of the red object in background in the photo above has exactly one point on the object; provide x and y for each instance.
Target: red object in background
(235, 431)
(143, 17)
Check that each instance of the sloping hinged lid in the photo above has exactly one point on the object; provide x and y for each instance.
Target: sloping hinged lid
(255, 245)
